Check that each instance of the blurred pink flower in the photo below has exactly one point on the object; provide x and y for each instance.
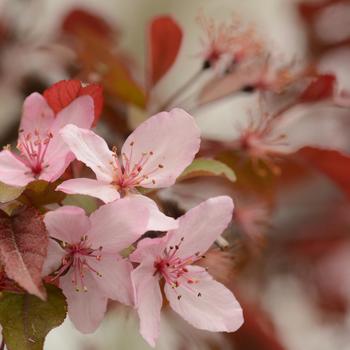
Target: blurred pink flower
(227, 42)
(153, 156)
(88, 262)
(43, 154)
(190, 290)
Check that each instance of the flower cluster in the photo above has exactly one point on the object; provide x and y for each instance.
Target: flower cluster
(108, 255)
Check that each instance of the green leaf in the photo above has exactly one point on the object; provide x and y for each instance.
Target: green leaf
(88, 203)
(40, 192)
(9, 193)
(26, 319)
(207, 167)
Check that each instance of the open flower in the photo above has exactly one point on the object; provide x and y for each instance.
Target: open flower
(153, 156)
(190, 290)
(43, 154)
(85, 254)
(229, 42)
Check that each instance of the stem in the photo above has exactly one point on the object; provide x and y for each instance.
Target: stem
(181, 90)
(2, 346)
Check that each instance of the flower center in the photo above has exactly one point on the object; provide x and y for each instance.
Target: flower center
(130, 172)
(33, 148)
(173, 269)
(77, 258)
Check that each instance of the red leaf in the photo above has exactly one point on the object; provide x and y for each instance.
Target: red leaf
(61, 94)
(23, 249)
(165, 37)
(79, 19)
(332, 163)
(319, 89)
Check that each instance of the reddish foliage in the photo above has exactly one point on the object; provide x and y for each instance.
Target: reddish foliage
(79, 19)
(319, 89)
(257, 331)
(23, 249)
(332, 163)
(165, 37)
(61, 94)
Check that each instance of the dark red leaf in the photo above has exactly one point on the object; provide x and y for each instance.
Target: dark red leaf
(332, 163)
(319, 89)
(23, 249)
(79, 19)
(61, 94)
(257, 331)
(165, 37)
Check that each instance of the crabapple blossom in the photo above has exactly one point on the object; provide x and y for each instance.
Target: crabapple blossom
(227, 42)
(189, 288)
(84, 254)
(153, 156)
(43, 154)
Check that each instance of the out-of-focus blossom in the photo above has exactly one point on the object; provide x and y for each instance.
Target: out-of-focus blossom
(265, 136)
(190, 290)
(43, 154)
(88, 262)
(230, 43)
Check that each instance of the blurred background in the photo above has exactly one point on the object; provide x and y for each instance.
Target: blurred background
(287, 251)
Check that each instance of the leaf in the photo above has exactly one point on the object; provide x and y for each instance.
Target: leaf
(97, 55)
(23, 248)
(319, 89)
(61, 94)
(88, 203)
(9, 193)
(80, 19)
(26, 320)
(207, 167)
(164, 38)
(332, 163)
(40, 192)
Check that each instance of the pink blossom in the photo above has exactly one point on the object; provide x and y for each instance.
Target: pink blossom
(190, 290)
(227, 42)
(43, 154)
(153, 156)
(87, 260)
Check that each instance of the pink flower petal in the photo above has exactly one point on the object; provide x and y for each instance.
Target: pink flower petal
(12, 171)
(95, 188)
(157, 220)
(205, 304)
(115, 281)
(91, 149)
(53, 259)
(148, 298)
(201, 226)
(67, 223)
(172, 137)
(53, 170)
(36, 115)
(116, 225)
(85, 309)
(80, 113)
(319, 126)
(148, 248)
(58, 156)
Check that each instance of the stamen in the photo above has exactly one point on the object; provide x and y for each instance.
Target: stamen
(77, 258)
